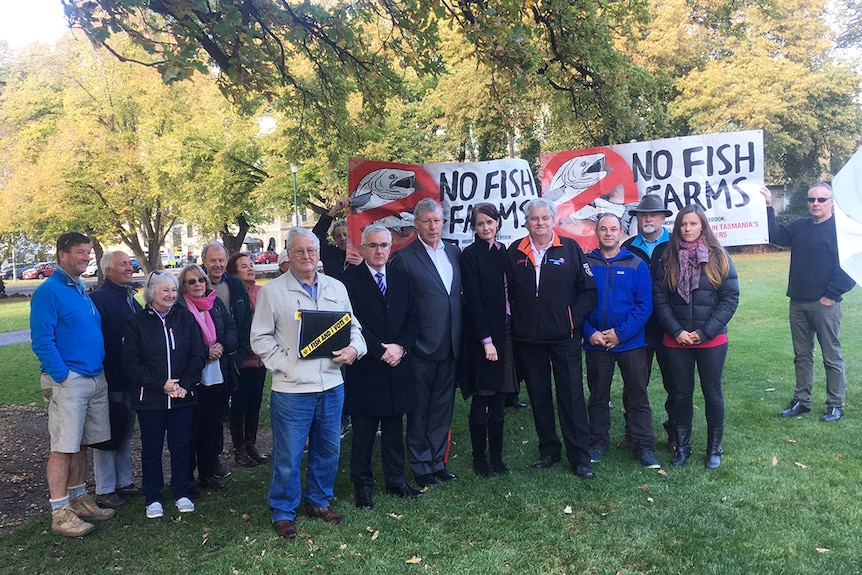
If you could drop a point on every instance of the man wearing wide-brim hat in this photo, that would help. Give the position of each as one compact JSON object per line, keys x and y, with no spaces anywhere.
{"x":649,"y":243}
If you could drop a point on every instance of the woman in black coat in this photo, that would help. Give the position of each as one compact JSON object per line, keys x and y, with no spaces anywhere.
{"x":219,"y":335}
{"x":163,"y":356}
{"x":695,"y":293}
{"x":487,"y":369}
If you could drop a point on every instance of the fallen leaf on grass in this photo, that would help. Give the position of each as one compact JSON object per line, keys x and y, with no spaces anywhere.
{"x":800,"y":465}
{"x":568,"y":510}
{"x":245,"y":516}
{"x":770,"y":389}
{"x":792,"y":441}
{"x":393,"y":516}
{"x":414,"y":560}
{"x":525,"y":442}
{"x":375,"y":536}
{"x":644,"y":487}
{"x":370,"y":529}
{"x":650,"y":499}
{"x":662,"y":472}
{"x":821,"y":549}
{"x":839,"y":457}
{"x":343,"y":546}
{"x":774,"y":461}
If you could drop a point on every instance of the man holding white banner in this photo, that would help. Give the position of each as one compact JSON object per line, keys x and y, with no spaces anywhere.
{"x":815,"y":286}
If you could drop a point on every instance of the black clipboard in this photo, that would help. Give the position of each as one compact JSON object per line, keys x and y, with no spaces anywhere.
{"x":322,"y":332}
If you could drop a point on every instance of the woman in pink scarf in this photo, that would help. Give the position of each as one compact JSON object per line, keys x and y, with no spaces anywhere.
{"x":247,"y":398}
{"x":695,"y":293}
{"x":218,"y":331}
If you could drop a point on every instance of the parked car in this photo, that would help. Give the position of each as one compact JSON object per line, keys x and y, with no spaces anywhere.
{"x":264,"y":257}
{"x":136,"y":265}
{"x":39,"y":271}
{"x":172,"y":261}
{"x":91,"y":270}
{"x":19,"y":269}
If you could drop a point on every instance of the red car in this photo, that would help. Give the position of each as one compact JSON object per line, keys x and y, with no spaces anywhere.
{"x":39,"y":271}
{"x":264,"y":257}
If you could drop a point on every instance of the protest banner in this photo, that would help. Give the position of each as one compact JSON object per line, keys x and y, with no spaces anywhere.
{"x":386,"y":193}
{"x":723,"y":173}
{"x":847,"y":196}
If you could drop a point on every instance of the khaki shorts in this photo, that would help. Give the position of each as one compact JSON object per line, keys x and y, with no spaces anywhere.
{"x":77,"y":411}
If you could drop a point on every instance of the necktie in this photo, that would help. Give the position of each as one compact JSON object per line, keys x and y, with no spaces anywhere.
{"x":380,"y":283}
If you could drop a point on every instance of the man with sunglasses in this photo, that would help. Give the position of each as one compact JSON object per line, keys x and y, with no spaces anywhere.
{"x":66,"y":331}
{"x":815,"y":286}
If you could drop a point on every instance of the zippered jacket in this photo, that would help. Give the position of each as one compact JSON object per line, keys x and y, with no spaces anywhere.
{"x":624,"y":299}
{"x":155,"y":351}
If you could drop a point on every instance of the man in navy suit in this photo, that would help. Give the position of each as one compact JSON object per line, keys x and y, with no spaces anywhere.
{"x":380,"y":388}
{"x":434,"y":270}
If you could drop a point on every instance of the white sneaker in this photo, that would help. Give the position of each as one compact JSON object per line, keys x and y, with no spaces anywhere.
{"x":185,"y":505}
{"x":155,"y":510}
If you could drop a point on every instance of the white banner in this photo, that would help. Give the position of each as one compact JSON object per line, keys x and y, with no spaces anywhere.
{"x":847,"y":193}
{"x":386,"y":193}
{"x":723,"y":173}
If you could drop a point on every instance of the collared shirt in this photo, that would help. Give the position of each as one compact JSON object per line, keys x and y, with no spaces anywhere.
{"x":441,"y":262}
{"x":310,"y":289}
{"x":374,"y":273}
{"x":647,"y":246}
{"x":539,"y":256}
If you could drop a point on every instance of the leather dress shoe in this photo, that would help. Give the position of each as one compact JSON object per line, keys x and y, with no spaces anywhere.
{"x":517,"y":404}
{"x":832,"y":414}
{"x":110,"y":501}
{"x":585,"y":472}
{"x":285,"y":529}
{"x":130,"y":490}
{"x":325,"y":513}
{"x":363,"y":497}
{"x":445,"y":475}
{"x":404,"y":490}
{"x":427,"y":480}
{"x":795,"y":408}
{"x":545,"y":461}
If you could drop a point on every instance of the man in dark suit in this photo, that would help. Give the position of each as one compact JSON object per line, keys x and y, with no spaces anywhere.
{"x":380,"y":387}
{"x":434,"y":270}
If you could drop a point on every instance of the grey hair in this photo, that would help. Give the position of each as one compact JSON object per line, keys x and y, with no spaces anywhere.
{"x":825,"y":185}
{"x":210,"y":245}
{"x":196,"y":269}
{"x":106,"y":262}
{"x":426,"y":206}
{"x":301,"y":233}
{"x":337,"y":224}
{"x":373,"y":228}
{"x":154,"y":281}
{"x":540,"y":203}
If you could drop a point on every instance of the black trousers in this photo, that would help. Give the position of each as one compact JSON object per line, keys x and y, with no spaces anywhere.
{"x":600,"y":373}
{"x":207,"y":429}
{"x":391,"y":449}
{"x":537,"y":362}
{"x":710,"y":367}
{"x":656,"y":348}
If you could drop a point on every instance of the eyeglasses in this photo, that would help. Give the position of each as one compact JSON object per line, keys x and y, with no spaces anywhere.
{"x":818,"y":200}
{"x":193,"y":281}
{"x":436,"y":222}
{"x":301,"y":252}
{"x":382,"y":246}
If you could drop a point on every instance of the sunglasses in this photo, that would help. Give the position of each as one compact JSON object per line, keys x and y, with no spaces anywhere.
{"x":151,"y":277}
{"x":818,"y":200}
{"x":193,"y":281}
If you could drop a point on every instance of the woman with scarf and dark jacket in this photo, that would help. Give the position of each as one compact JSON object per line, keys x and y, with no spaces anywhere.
{"x":163,"y":356}
{"x":695,"y":293}
{"x":219,"y":335}
{"x":487,"y":369}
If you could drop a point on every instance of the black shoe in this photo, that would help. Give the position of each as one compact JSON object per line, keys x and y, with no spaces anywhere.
{"x":545,"y":461}
{"x":363,"y":497}
{"x":404,"y":490}
{"x":795,"y":408}
{"x":428,"y":480}
{"x":210,"y":484}
{"x":517,"y":404}
{"x":626,"y":443}
{"x":445,"y":475}
{"x":585,"y":472}
{"x":222,"y":470}
{"x":481,"y":467}
{"x":832,"y":414}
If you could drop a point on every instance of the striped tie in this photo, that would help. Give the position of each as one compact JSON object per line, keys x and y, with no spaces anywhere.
{"x":380,"y":283}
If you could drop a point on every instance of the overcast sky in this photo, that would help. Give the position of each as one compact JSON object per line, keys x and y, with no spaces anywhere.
{"x":25,"y":21}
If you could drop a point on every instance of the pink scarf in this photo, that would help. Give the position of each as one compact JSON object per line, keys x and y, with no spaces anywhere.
{"x":200,"y":307}
{"x":692,"y":256}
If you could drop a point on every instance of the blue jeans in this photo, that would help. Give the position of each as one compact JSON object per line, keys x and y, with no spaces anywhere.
{"x":296,"y":417}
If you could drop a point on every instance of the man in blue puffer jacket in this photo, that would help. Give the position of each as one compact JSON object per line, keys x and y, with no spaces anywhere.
{"x":614,"y":335}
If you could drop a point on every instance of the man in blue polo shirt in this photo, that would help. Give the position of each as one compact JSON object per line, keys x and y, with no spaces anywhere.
{"x":66,"y":332}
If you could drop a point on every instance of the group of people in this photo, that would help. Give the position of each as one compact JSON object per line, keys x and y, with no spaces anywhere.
{"x":424,"y":320}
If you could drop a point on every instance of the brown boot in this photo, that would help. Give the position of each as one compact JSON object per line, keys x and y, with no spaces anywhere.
{"x":86,"y":508}
{"x":65,"y":522}
{"x":256,"y":455}
{"x":240,"y":455}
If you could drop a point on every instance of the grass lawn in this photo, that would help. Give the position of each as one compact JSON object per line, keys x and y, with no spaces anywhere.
{"x":785,"y":500}
{"x":14,"y":314}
